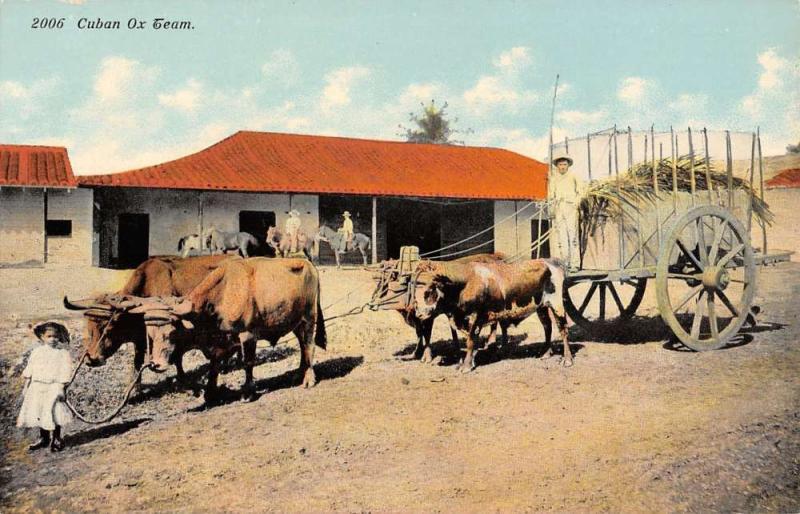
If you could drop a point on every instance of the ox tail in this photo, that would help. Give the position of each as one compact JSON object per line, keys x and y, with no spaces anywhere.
{"x":320,"y":336}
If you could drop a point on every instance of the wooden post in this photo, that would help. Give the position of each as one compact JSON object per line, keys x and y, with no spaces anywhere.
{"x":44,"y":228}
{"x":752,"y":193}
{"x":201,"y":221}
{"x":374,"y":230}
{"x":761,"y":178}
{"x":638,"y":214}
{"x":692,"y":184}
{"x":729,"y":168}
{"x":709,"y":184}
{"x":622,"y":213}
{"x":655,"y":182}
{"x":589,"y":154}
{"x":673,"y":141}
{"x":539,"y":233}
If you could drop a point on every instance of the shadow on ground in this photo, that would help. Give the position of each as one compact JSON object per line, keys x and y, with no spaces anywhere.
{"x":101,"y":432}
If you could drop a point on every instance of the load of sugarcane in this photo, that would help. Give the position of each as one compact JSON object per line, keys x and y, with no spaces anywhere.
{"x":633,"y":190}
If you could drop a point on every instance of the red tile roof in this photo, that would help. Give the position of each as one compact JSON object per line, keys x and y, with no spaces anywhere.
{"x":786,"y":178}
{"x":35,"y":166}
{"x":271,"y":162}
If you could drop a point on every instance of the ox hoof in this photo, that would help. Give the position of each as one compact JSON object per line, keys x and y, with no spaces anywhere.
{"x":310,"y":379}
{"x":427,"y":355}
{"x":436,"y":360}
{"x":567,"y":362}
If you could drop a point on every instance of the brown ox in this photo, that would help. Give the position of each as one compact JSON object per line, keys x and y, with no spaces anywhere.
{"x":240,"y":302}
{"x":392,"y":293}
{"x":110,"y":325}
{"x":475,"y":294}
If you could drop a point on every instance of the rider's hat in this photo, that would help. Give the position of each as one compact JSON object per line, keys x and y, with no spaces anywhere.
{"x":346,"y":214}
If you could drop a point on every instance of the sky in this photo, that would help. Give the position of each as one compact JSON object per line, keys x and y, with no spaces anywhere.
{"x":119,"y":99}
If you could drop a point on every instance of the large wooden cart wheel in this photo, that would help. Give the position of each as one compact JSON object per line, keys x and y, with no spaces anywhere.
{"x":590,"y":304}
{"x":705,"y":277}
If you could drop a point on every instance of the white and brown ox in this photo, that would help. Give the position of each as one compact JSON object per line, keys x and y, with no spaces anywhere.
{"x":240,"y":302}
{"x":110,"y":322}
{"x":392,"y":292}
{"x":475,"y":294}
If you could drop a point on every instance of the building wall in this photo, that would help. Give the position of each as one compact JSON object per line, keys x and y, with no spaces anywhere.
{"x":21,"y":226}
{"x":74,"y":205}
{"x":512,"y":236}
{"x":174,"y":214}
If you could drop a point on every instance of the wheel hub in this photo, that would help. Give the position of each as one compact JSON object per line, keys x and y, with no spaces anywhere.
{"x":716,"y":277}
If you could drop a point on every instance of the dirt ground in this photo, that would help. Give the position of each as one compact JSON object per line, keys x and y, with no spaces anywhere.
{"x":639,"y":424}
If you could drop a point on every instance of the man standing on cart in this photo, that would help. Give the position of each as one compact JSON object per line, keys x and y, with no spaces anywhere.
{"x":564,"y":194}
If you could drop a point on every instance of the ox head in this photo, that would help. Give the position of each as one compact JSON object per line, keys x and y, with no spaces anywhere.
{"x":429,"y":289}
{"x":108,"y":326}
{"x":165,"y":325}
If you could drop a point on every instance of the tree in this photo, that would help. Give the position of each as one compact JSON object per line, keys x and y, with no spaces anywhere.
{"x":432,"y":126}
{"x":793,"y":149}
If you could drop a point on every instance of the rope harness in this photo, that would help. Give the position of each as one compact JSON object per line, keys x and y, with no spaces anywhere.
{"x":128,"y":391}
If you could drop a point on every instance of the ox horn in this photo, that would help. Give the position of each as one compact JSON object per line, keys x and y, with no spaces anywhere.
{"x":82,"y":305}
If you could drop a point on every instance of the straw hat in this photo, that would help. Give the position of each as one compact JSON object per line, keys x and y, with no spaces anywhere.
{"x":561,"y":156}
{"x":61,"y":331}
{"x":294,"y":212}
{"x":346,"y":214}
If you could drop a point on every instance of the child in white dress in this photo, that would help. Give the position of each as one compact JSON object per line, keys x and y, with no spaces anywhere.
{"x":49,"y":369}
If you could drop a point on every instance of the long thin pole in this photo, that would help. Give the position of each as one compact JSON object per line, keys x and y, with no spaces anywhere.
{"x":44,"y":231}
{"x":692,"y":183}
{"x":638,"y":214}
{"x":752,"y":193}
{"x":374,"y":230}
{"x":622,"y":207}
{"x":709,"y":184}
{"x":674,"y":148}
{"x":589,"y":154}
{"x":761,"y":178}
{"x":729,"y":168}
{"x":552,"y":120}
{"x":655,"y":182}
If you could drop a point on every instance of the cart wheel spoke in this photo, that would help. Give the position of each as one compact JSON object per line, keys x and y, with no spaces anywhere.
{"x":712,"y":316}
{"x":615,"y":296}
{"x":698,"y":316}
{"x":719,"y":232}
{"x":692,"y":292}
{"x":586,"y":300}
{"x":724,"y":298}
{"x":690,"y":255}
{"x":730,"y":255}
{"x":701,"y":241}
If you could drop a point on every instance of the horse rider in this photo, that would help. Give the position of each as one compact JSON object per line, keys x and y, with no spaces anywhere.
{"x":292,"y":229}
{"x":346,"y":230}
{"x":564,"y":193}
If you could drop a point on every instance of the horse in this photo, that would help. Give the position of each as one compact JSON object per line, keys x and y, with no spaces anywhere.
{"x":336,"y":241}
{"x":282,"y":245}
{"x":219,"y":241}
{"x":189,"y":243}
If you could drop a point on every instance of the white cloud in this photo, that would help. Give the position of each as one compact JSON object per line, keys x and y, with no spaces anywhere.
{"x":634,"y":90}
{"x":338,"y":84}
{"x":19,"y":100}
{"x":582,"y":118}
{"x":513,"y":60}
{"x":773,"y":65}
{"x":504,"y":88}
{"x":281,"y":68}
{"x":186,"y":99}
{"x":120,"y":77}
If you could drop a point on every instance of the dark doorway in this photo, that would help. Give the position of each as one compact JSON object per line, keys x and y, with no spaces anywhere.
{"x":256,"y":224}
{"x":417,"y":223}
{"x":544,"y":250}
{"x":133,"y":239}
